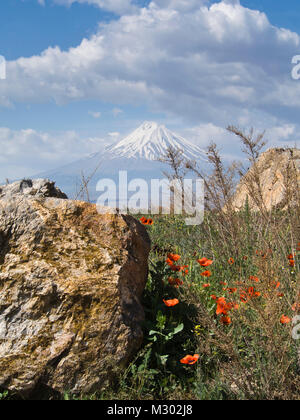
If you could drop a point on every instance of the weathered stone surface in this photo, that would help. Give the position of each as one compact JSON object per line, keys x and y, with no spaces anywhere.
{"x":276,"y":168}
{"x":70,"y":287}
{"x":29,"y":188}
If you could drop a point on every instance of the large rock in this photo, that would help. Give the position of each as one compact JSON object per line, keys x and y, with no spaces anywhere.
{"x":70,"y":287}
{"x":279,"y":173}
{"x":30,"y":188}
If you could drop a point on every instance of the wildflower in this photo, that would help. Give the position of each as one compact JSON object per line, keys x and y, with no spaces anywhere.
{"x":204,"y":262}
{"x":226,"y":320}
{"x":179,"y":268}
{"x":206,"y":285}
{"x":285,"y":319}
{"x":231,"y":261}
{"x":298,"y":246}
{"x":222,"y":307}
{"x":197,"y":329}
{"x":169,"y":262}
{"x":214,"y":297}
{"x":292,"y":263}
{"x":243,"y":296}
{"x":296,"y":307}
{"x":174,"y":257}
{"x":254,"y":278}
{"x":171,"y":302}
{"x":231,"y":289}
{"x":206,"y":273}
{"x":175,"y":282}
{"x":145,"y":221}
{"x":189,"y":360}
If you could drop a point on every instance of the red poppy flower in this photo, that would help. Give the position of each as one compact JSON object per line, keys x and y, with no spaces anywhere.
{"x":206,"y":273}
{"x":204,"y":262}
{"x":292,"y":263}
{"x":177,"y":268}
{"x":226,"y":320}
{"x":214,"y":297}
{"x":254,"y":278}
{"x":285,"y":319}
{"x":171,"y":302}
{"x":175,"y":282}
{"x":189,"y":360}
{"x":232,"y":289}
{"x":169,"y":262}
{"x":222,"y":307}
{"x":296,"y":307}
{"x":231,"y":261}
{"x":243,"y":297}
{"x":145,"y":221}
{"x":206,"y":285}
{"x":174,"y":257}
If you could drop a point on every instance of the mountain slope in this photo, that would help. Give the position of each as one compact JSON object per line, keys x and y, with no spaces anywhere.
{"x":150,"y":141}
{"x":138,"y":154}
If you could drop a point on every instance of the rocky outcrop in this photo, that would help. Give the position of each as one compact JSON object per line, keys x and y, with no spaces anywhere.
{"x":71,"y":280}
{"x":30,"y":188}
{"x":278,"y":171}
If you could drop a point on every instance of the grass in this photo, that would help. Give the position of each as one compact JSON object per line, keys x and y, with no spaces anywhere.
{"x":254,"y":356}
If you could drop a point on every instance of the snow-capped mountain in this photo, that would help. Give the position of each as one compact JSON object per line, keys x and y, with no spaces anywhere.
{"x":150,"y":141}
{"x":138,"y":154}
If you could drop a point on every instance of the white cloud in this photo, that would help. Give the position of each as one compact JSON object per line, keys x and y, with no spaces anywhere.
{"x":192,"y":60}
{"x":116,"y":112}
{"x":27,"y":152}
{"x":95,"y":114}
{"x":229,"y":144}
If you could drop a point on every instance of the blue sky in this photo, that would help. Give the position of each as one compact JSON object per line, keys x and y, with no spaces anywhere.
{"x":83,"y":73}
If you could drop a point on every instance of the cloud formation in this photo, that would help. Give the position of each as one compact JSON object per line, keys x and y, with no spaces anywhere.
{"x":182,"y":57}
{"x":205,"y":64}
{"x":27,"y":152}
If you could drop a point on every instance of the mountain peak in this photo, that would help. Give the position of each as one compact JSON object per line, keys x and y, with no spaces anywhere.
{"x":149,"y":125}
{"x":150,"y":141}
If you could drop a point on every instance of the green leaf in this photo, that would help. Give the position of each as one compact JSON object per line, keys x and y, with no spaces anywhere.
{"x":178,"y":329}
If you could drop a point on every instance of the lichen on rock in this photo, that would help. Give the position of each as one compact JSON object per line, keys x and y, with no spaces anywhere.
{"x":71,"y":280}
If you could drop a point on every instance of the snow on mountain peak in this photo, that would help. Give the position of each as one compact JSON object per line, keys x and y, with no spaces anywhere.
{"x":151,"y":140}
